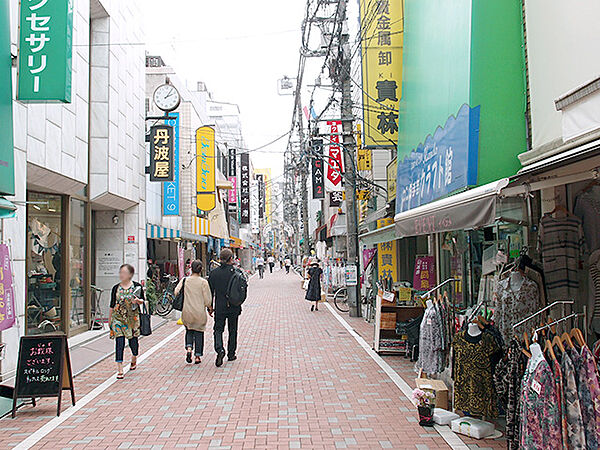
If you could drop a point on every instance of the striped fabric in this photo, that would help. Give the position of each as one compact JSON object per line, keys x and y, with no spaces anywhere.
{"x":158,"y":232}
{"x":562,"y":246}
{"x":200,"y":226}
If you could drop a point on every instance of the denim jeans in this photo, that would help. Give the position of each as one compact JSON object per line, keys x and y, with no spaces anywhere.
{"x":195,"y":340}
{"x":120,"y":343}
{"x":232,"y":326}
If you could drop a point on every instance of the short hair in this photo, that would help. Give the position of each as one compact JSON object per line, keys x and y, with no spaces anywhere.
{"x":226,"y":255}
{"x":129,"y":268}
{"x":196,"y":266}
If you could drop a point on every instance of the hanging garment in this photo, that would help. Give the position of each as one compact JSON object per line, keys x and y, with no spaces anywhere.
{"x":595,"y":282}
{"x":562,"y":246}
{"x":507,"y":380}
{"x":472,"y":369}
{"x":591,"y":375}
{"x":516,"y":297}
{"x":540,"y":417}
{"x":585,"y":400}
{"x":571,"y":406}
{"x":587,"y":208}
{"x":430,"y":343}
{"x":556,"y":372}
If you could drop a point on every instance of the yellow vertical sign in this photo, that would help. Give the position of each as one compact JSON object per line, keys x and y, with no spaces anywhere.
{"x":206,"y":195}
{"x":382,"y":37}
{"x":364,"y":156}
{"x":387,"y":260}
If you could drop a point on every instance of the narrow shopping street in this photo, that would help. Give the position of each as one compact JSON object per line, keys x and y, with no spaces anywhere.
{"x":301,"y":381}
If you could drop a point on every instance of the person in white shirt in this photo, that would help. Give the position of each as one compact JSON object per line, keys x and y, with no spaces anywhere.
{"x":288,"y":264}
{"x":271,"y":261}
{"x":260,"y":264}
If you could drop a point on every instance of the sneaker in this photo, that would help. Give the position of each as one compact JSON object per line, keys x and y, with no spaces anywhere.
{"x":219,"y":361}
{"x":232,"y":358}
{"x":188,"y":358}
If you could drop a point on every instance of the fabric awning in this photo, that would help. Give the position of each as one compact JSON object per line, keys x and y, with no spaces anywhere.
{"x":379,"y":236}
{"x":474,"y":208}
{"x":218,"y":221}
{"x":158,"y":232}
{"x":193,"y":237}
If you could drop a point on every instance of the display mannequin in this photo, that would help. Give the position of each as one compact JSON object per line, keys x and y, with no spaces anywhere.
{"x":474,"y":330}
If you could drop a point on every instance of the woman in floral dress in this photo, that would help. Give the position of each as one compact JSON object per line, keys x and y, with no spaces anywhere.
{"x":124,"y":316}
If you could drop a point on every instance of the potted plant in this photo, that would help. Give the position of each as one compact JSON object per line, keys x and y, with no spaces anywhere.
{"x":425,"y":402}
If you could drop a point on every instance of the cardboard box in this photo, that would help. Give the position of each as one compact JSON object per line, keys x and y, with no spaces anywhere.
{"x":438,"y":387}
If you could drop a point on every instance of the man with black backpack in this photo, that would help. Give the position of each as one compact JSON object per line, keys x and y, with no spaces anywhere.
{"x":229,"y":289}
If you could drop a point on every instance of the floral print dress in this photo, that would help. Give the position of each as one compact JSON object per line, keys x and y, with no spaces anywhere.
{"x":585,"y":400}
{"x":126,"y":315}
{"x":591,"y":375}
{"x":571,"y":406}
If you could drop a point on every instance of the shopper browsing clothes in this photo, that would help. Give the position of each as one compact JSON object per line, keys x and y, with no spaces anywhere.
{"x":219,"y":283}
{"x":124,"y":316}
{"x":197,"y":300}
{"x":271,"y":261}
{"x":313,"y":293}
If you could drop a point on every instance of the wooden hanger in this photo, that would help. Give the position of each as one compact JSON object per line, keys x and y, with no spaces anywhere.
{"x":548,"y":348}
{"x":556,"y":341}
{"x":566,"y":339}
{"x":578,"y":335}
{"x":552,"y":327}
{"x":526,"y":340}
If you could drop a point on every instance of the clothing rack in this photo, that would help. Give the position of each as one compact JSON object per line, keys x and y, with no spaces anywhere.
{"x":547,"y":308}
{"x":570,"y":316}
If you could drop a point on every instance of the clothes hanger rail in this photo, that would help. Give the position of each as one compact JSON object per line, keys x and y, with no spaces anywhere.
{"x":541,"y":311}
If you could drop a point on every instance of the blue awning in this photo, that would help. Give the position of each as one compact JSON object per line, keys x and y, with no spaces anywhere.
{"x":158,"y":232}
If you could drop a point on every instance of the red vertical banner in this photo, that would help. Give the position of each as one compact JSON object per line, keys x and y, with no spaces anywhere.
{"x":335,"y":164}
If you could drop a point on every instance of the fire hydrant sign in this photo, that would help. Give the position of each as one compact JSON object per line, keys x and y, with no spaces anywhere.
{"x":424,"y":276}
{"x":45,"y":51}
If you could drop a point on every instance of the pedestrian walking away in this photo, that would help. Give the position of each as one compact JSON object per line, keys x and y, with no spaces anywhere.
{"x":124,"y":316}
{"x":288,"y":264}
{"x":219,"y":280}
{"x":271,"y":261}
{"x":260,"y":264}
{"x":197,"y":300}
{"x":313,"y":293}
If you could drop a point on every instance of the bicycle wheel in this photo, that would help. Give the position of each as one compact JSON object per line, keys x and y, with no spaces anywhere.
{"x":340,"y":300}
{"x":164,"y":305}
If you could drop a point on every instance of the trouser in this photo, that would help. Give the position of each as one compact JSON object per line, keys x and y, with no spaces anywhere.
{"x":232,"y":327}
{"x":261,"y":271}
{"x":271,"y":265}
{"x":120,"y":344}
{"x":287,"y":269}
{"x":194,"y":340}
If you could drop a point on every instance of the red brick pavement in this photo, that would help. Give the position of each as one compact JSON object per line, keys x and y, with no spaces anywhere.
{"x":301,"y":381}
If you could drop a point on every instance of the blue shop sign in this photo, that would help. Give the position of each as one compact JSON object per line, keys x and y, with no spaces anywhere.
{"x":443,"y":164}
{"x":171,"y":188}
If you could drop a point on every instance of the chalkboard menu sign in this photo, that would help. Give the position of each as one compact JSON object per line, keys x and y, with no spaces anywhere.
{"x":41,"y":368}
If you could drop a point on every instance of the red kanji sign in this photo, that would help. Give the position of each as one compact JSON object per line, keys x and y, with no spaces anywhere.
{"x":334,"y":162}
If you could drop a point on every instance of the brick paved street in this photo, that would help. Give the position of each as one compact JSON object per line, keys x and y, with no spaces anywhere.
{"x":301,"y":381}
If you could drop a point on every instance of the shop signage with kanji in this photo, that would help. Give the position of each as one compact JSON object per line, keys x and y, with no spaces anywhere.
{"x":171,"y":188}
{"x":232,"y":163}
{"x":386,"y":255}
{"x":392,"y":173}
{"x":161,"y":153}
{"x":245,"y":188}
{"x":364,"y":156}
{"x":254,"y":201}
{"x":382,"y":46}
{"x":206,"y":180}
{"x":318,"y":175}
{"x":7,"y":294}
{"x":260,"y":179}
{"x":335,"y":164}
{"x":336,"y":198}
{"x":424,"y":275}
{"x":45,"y":51}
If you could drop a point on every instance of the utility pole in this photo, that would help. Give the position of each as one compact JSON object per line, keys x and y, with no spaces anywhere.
{"x":345,"y":62}
{"x":304,"y":162}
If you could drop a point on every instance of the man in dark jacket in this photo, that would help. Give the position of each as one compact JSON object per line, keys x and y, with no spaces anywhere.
{"x":219,"y":281}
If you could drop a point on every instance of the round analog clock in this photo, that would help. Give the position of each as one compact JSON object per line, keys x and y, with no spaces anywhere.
{"x":166,"y":97}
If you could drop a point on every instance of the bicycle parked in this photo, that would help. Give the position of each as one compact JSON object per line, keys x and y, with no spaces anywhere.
{"x":164,"y":306}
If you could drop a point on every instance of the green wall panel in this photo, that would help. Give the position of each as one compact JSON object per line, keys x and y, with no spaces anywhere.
{"x":7,"y":171}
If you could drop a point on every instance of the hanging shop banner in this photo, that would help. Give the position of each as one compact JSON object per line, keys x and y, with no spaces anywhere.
{"x":318,"y":176}
{"x":424,"y":275}
{"x":386,"y":255}
{"x":254,"y":209}
{"x":232,"y":194}
{"x":260,"y":179}
{"x":364,"y":156}
{"x":171,"y":188}
{"x":336,"y":198}
{"x":206,"y":186}
{"x":45,"y":51}
{"x":7,"y":149}
{"x":382,"y":43}
{"x":7,"y":294}
{"x":368,"y":254}
{"x":392,"y":171}
{"x":161,"y":153}
{"x":232,"y":163}
{"x":245,"y":188}
{"x":335,"y":165}
{"x":445,"y":163}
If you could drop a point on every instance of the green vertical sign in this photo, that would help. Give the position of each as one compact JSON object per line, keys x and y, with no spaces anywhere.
{"x":7,"y":158}
{"x":45,"y":51}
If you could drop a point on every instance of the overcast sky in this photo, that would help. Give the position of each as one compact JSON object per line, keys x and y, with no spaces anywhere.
{"x":239,"y":48}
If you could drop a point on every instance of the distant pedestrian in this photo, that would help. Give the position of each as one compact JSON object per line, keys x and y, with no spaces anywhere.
{"x":260,"y":265}
{"x":288,"y":264}
{"x":271,"y":261}
{"x":313,"y":293}
{"x":219,"y":283}
{"x":124,"y":316}
{"x":197,"y":300}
